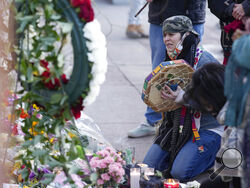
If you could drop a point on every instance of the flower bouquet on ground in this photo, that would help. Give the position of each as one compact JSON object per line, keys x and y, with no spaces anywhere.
{"x":108,"y":166}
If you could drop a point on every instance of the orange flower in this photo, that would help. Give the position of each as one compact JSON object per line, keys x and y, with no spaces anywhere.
{"x":24,"y":114}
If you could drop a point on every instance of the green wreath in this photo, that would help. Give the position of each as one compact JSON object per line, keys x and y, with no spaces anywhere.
{"x":42,"y":24}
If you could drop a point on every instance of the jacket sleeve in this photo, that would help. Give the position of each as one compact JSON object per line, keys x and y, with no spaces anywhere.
{"x":246,"y":7}
{"x":222,"y":9}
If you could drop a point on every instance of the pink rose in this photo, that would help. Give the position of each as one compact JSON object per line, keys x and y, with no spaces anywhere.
{"x":94,"y":163}
{"x":102,"y":164}
{"x":100,"y":182}
{"x":105,"y":177}
{"x":109,"y":160}
{"x":113,"y":168}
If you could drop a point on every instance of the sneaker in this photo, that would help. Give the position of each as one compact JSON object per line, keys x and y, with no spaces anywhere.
{"x":140,"y":30}
{"x":131,"y":32}
{"x":143,"y":130}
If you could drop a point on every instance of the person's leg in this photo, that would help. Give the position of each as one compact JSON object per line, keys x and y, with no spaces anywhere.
{"x":199,"y":28}
{"x":157,"y":46}
{"x":156,"y":158}
{"x":139,"y":28}
{"x":158,"y":54}
{"x":192,"y":159}
{"x":131,"y":31}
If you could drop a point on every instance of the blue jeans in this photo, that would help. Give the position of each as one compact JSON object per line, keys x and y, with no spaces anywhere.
{"x":134,"y":7}
{"x":199,"y":28}
{"x":158,"y":54}
{"x":189,"y":162}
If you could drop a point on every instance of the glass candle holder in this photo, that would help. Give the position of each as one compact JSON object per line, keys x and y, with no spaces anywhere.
{"x":143,"y":167}
{"x":171,"y":183}
{"x":135,"y":175}
{"x":149,"y":171}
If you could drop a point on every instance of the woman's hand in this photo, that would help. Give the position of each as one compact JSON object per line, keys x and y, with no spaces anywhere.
{"x":238,"y":11}
{"x":168,"y":93}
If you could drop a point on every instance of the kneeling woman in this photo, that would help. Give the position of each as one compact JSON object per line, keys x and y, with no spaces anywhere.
{"x":189,"y":137}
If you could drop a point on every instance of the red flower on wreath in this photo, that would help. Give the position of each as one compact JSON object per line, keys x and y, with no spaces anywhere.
{"x":76,"y":3}
{"x":77,"y":108}
{"x":46,"y":74}
{"x":86,"y":10}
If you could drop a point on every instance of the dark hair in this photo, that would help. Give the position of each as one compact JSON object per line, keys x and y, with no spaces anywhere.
{"x":206,"y":88}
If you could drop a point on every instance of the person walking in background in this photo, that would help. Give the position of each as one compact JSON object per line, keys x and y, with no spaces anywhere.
{"x":159,"y":10}
{"x":134,"y":28}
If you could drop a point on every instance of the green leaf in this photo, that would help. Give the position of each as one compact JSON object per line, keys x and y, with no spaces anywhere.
{"x":48,"y":178}
{"x":74,"y":169}
{"x":40,"y":152}
{"x":56,"y":98}
{"x":52,"y":163}
{"x":65,"y":97}
{"x":72,"y":152}
{"x":24,"y":21}
{"x":24,"y":173}
{"x":80,"y":151}
{"x":30,"y":74}
{"x":67,"y":114}
{"x":158,"y":173}
{"x":37,"y":139}
{"x":27,"y":143}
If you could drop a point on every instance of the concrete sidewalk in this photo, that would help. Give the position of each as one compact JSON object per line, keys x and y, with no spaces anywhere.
{"x":119,"y":107}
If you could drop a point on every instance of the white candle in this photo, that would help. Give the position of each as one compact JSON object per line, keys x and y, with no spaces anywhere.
{"x":135,"y":177}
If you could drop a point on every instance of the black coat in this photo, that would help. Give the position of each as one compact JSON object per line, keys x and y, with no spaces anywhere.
{"x":222,"y":9}
{"x":159,"y":10}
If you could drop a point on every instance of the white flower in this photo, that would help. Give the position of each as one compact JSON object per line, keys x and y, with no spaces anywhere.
{"x":98,"y":55}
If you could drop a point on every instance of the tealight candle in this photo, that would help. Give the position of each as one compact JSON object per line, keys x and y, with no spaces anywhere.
{"x":135,"y":177}
{"x":149,"y":172}
{"x":143,"y":167}
{"x":171,"y":183}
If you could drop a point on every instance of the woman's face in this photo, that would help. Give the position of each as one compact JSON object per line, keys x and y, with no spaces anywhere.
{"x":171,"y":40}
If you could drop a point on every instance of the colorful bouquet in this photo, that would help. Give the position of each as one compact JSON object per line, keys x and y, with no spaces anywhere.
{"x":109,"y":168}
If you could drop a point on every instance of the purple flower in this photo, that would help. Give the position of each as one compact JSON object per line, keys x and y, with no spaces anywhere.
{"x":32,"y":175}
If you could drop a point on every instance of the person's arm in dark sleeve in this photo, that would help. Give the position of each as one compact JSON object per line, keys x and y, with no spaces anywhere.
{"x":246,"y":7}
{"x":222,"y":9}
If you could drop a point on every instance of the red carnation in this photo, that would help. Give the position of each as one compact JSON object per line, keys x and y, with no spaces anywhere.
{"x":86,"y":11}
{"x":46,"y":74}
{"x":51,"y":85}
{"x":44,"y":64}
{"x":64,"y":79}
{"x":76,"y":109}
{"x":76,"y":3}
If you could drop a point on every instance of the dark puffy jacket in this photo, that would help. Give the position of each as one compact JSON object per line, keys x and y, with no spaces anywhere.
{"x":159,"y":10}
{"x":197,"y":11}
{"x":223,"y":9}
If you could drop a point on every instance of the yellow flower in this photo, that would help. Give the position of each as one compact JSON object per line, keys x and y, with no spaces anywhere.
{"x":71,"y":135}
{"x":35,"y":73}
{"x":51,"y":140}
{"x":34,"y":123}
{"x":35,"y":107}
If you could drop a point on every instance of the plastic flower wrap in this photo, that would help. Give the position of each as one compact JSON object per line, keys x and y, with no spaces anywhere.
{"x":109,"y":167}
